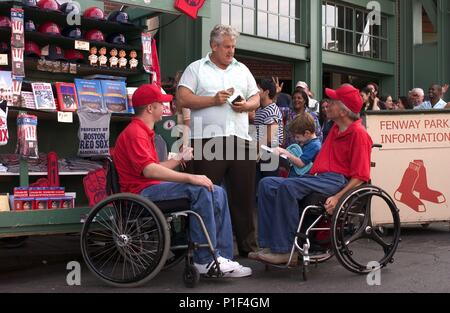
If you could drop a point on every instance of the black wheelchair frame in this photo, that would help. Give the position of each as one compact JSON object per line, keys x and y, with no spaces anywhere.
{"x":127,"y":239}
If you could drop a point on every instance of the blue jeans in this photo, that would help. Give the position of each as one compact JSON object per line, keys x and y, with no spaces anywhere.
{"x":278,"y":211}
{"x":211,"y":206}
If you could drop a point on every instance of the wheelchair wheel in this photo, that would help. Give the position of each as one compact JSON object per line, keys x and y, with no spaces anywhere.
{"x":125,"y":240}
{"x":191,"y":276}
{"x":360,"y":245}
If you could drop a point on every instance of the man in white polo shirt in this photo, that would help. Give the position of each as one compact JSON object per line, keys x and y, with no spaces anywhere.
{"x":220,"y":127}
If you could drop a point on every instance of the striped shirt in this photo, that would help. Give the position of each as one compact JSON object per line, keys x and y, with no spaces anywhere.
{"x":267,"y":116}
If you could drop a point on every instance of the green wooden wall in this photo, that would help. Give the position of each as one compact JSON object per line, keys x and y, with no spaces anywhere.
{"x":404,"y":69}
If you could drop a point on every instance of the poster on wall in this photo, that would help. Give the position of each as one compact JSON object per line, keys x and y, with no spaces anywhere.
{"x":147,"y":52}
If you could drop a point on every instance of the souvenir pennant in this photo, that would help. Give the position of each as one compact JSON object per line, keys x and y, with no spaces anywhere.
{"x":17,"y":33}
{"x":189,"y":7}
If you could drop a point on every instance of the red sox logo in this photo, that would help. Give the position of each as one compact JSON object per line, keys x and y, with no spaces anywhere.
{"x":189,"y":7}
{"x":192,"y":3}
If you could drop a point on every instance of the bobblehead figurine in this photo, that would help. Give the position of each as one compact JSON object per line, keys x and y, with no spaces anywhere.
{"x":122,"y":60}
{"x":102,"y":59}
{"x":113,"y":60}
{"x":133,"y":62}
{"x":93,"y":58}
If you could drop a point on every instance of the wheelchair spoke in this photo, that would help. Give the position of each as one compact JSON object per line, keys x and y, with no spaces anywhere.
{"x":132,"y":266}
{"x":356,"y":214}
{"x":143,"y":249}
{"x":356,"y":236}
{"x":105,"y":223}
{"x":115,"y":264}
{"x":107,"y":260}
{"x":114,"y":221}
{"x":377,"y":238}
{"x":139,"y":258}
{"x":103,"y":249}
{"x":102,"y":235}
{"x":136,"y":221}
{"x":118,"y":215}
{"x":129,"y":224}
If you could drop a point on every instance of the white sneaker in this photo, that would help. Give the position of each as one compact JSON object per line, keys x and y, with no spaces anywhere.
{"x":242,"y":271}
{"x":226,"y":266}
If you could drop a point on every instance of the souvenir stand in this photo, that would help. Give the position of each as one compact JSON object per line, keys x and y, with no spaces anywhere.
{"x":41,"y":55}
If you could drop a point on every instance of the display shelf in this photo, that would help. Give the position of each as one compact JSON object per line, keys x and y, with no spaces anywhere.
{"x":82,"y":70}
{"x":38,"y":14}
{"x":69,"y":43}
{"x":53,"y":115}
{"x":79,"y":173}
{"x":42,"y":222}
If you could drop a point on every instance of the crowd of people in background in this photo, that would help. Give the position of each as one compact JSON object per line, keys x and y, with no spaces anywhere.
{"x":302,"y":100}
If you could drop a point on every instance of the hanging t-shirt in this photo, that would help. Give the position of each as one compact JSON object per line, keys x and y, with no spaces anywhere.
{"x":3,"y":123}
{"x":93,"y":134}
{"x":27,"y":144}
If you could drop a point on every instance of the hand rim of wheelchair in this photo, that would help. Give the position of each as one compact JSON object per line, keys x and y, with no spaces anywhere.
{"x":163,"y":246}
{"x":338,"y":242}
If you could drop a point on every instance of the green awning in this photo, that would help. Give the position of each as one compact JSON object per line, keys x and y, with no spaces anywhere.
{"x":154,"y":6}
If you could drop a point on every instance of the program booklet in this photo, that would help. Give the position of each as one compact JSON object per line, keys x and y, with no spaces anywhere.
{"x":43,"y":96}
{"x":67,"y":97}
{"x":267,"y":156}
{"x":89,"y":94}
{"x":115,"y":96}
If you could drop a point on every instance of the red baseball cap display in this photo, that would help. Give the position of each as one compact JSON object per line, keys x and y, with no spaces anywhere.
{"x":95,"y":35}
{"x":32,"y":49}
{"x":94,"y":12}
{"x":5,"y":21}
{"x":148,"y":94}
{"x":48,"y":5}
{"x":50,"y":28}
{"x":348,"y":95}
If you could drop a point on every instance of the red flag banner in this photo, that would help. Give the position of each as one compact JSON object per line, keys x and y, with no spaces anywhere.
{"x":189,"y":7}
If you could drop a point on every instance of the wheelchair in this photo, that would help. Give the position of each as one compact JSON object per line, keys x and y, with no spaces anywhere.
{"x":126,"y":239}
{"x":360,"y":243}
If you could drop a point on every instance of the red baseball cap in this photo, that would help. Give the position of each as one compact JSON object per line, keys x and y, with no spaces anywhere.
{"x":148,"y":94}
{"x":348,"y":95}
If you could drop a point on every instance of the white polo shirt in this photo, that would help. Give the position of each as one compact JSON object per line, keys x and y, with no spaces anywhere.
{"x":428,"y":106}
{"x":204,"y":78}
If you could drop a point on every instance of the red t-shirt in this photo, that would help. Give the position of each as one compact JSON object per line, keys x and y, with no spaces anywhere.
{"x":347,"y":153}
{"x":134,"y":150}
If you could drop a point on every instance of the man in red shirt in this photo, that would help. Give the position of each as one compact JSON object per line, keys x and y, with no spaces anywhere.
{"x":342,"y":164}
{"x":140,"y":172}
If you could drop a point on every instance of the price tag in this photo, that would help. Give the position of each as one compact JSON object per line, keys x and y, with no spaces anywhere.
{"x":65,"y":117}
{"x":3,"y":59}
{"x":81,"y":45}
